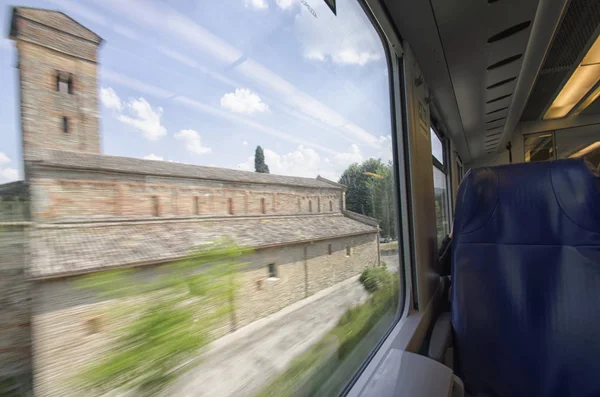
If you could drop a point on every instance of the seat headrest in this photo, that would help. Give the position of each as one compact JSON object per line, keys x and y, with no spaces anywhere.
{"x":528,"y":202}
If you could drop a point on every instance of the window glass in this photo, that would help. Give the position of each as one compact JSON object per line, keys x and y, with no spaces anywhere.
{"x":539,"y":147}
{"x":208,"y":140}
{"x":441,"y":196}
{"x":579,"y":142}
{"x":437,"y":148}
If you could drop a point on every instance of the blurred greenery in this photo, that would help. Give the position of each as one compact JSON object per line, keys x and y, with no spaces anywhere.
{"x":371,"y":192}
{"x":375,"y":278}
{"x":307,"y":373}
{"x":167,"y":320}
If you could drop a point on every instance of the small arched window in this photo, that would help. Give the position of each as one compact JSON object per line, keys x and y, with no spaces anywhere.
{"x":309,"y":205}
{"x":230,"y":206}
{"x":330,"y":206}
{"x":263,"y":206}
{"x":65,"y":124}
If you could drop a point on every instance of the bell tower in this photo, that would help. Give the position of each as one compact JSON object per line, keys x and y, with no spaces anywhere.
{"x":57,"y":62}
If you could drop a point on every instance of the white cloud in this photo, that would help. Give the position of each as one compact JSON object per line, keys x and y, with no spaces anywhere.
{"x":126,"y":32}
{"x":193,"y":142}
{"x":134,"y":84}
{"x":110,"y":99}
{"x":162,"y":18}
{"x":352,"y":156}
{"x":260,"y":4}
{"x":306,"y":162}
{"x":248,"y":123}
{"x":386,"y":146}
{"x":8,"y":175}
{"x":5,"y":159}
{"x":243,"y":101}
{"x":347,"y":40}
{"x":144,"y":118}
{"x":153,"y":157}
{"x":284,"y":3}
{"x":153,"y":16}
{"x":301,"y":162}
{"x":187,"y":61}
{"x":179,"y":57}
{"x":245,"y":143}
{"x":352,"y":56}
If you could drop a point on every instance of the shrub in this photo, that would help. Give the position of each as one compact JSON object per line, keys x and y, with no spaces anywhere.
{"x":375,"y":278}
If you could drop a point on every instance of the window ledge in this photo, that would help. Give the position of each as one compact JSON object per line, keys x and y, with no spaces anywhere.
{"x":408,"y":334}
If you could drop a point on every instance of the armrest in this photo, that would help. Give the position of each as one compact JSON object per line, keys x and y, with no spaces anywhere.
{"x":440,"y":337}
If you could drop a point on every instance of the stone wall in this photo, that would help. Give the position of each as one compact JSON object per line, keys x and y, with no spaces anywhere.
{"x":71,"y":326}
{"x":62,"y":196}
{"x":43,"y":107}
{"x":302,"y":270}
{"x":15,"y":332}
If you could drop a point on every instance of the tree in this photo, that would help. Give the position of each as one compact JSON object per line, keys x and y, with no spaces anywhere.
{"x":370,"y":192}
{"x":259,"y":161}
{"x":164,"y":321}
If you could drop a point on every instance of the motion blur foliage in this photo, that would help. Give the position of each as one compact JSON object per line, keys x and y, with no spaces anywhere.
{"x":371,"y":192}
{"x":322,"y":370}
{"x":375,"y":278}
{"x":167,"y":321}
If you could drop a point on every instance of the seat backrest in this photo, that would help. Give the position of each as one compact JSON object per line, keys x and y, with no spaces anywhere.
{"x":526,"y":280}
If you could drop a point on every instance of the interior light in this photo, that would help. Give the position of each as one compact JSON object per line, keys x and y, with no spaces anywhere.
{"x":587,"y":101}
{"x":593,"y":54}
{"x":586,"y":150}
{"x":583,"y":79}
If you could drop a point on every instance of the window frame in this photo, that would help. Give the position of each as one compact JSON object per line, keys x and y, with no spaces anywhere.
{"x":444,"y":168}
{"x":534,"y":134}
{"x":408,"y":301}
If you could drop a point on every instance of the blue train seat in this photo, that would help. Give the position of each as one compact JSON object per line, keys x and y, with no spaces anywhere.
{"x":526,"y":280}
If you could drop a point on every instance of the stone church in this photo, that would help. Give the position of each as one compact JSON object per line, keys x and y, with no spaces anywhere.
{"x":79,"y":211}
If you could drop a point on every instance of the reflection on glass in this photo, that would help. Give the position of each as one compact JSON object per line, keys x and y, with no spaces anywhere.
{"x":579,"y":142}
{"x":437,"y":149}
{"x":539,"y":147}
{"x":245,"y":167}
{"x":441,"y":213}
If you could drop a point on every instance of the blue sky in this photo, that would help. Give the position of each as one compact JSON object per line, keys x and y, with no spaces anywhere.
{"x":205,"y":82}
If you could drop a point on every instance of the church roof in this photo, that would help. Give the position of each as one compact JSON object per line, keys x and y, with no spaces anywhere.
{"x":86,"y":161}
{"x":61,"y":250}
{"x":55,"y":20}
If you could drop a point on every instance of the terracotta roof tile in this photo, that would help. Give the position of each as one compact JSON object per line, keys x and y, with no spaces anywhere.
{"x":76,"y":160}
{"x":78,"y":248}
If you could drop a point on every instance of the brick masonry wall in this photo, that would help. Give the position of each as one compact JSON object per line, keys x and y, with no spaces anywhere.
{"x":43,"y":107}
{"x":15,"y":332}
{"x":64,"y":340}
{"x":63,"y":196}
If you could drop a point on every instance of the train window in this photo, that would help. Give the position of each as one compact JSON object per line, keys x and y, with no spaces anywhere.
{"x":539,"y":147}
{"x":437,"y":148}
{"x":459,"y":171}
{"x":579,"y":142}
{"x":441,"y":204}
{"x":440,"y":186}
{"x":271,"y":120}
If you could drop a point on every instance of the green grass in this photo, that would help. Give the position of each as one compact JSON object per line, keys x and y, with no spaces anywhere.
{"x":309,"y":371}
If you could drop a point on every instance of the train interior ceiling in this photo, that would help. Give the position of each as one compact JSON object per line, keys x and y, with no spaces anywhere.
{"x":506,"y":81}
{"x":500,"y":70}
